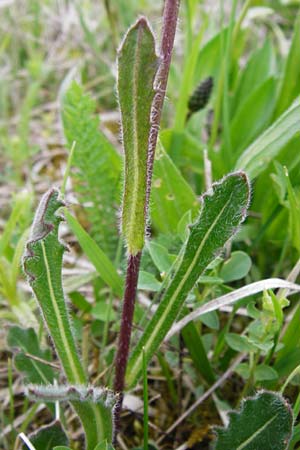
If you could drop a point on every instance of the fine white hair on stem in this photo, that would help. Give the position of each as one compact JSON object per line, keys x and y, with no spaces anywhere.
{"x":232,"y":297}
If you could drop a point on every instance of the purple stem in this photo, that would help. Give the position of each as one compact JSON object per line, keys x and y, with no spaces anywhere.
{"x":133,"y":265}
{"x":170,"y":17}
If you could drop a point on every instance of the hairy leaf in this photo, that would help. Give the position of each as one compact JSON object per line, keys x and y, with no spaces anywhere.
{"x":223,"y":209}
{"x":43,"y":266}
{"x":97,"y":167}
{"x":264,"y":422}
{"x":83,"y":393}
{"x":137,"y":66}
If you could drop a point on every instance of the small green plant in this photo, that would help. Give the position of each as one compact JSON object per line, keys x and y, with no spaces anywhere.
{"x":187,"y":265}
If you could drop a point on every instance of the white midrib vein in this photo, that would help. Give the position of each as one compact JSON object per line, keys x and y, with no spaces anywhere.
{"x":61,"y":330}
{"x":243,"y":445}
{"x":134,"y":370}
{"x":78,"y":379}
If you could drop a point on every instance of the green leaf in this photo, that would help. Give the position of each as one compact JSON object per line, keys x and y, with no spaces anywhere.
{"x":194,"y":344}
{"x":224,"y":207}
{"x":104,"y":446}
{"x":100,"y":312}
{"x":211,"y":320}
{"x":264,"y":422}
{"x":137,"y":67}
{"x":102,"y":264}
{"x":289,"y":88}
{"x":96,"y":179}
{"x":265,"y":373}
{"x":243,"y":370}
{"x":171,"y":195}
{"x":259,"y":67}
{"x":294,"y":213}
{"x":62,"y":447}
{"x":48,"y":436}
{"x":236,"y":267}
{"x":256,"y":158}
{"x":22,"y":204}
{"x":27,"y":342}
{"x":160,"y":256}
{"x":182,"y":227}
{"x":239,"y":343}
{"x":43,"y":266}
{"x":148,"y":282}
{"x":253,"y":116}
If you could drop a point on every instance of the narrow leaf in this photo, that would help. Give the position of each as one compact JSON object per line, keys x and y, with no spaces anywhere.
{"x":264,"y":422}
{"x":137,"y":66}
{"x":253,"y":116}
{"x":101,"y":262}
{"x":43,"y":266}
{"x":289,"y":88}
{"x":256,"y":158}
{"x":223,"y":209}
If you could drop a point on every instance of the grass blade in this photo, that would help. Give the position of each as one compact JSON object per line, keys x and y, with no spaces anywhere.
{"x":102,"y":263}
{"x":256,"y":158}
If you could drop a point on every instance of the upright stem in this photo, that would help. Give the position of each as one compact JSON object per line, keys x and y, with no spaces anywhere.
{"x":133,"y":265}
{"x":170,"y":16}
